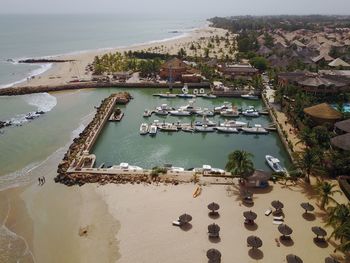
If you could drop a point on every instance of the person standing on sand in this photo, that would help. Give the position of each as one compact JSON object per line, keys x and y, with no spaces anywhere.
{"x":43,"y":179}
{"x":39,"y":180}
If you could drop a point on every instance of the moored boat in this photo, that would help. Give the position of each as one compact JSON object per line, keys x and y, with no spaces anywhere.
{"x":168,"y":127}
{"x":204,"y":128}
{"x":275,"y":164}
{"x":250,"y":96}
{"x":147,"y":113}
{"x":152,"y":130}
{"x":233,"y":124}
{"x":144,"y":129}
{"x":257,"y":129}
{"x":179,"y":112}
{"x":230,"y":113}
{"x":167,"y":95}
{"x":126,"y":166}
{"x":250,"y":112}
{"x":226,"y":129}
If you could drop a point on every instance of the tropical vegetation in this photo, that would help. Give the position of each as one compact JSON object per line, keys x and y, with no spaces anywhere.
{"x":240,"y":164}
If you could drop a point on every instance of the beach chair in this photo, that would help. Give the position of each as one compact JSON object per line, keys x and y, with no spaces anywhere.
{"x":278,"y":218}
{"x":277,"y":222}
{"x":177,"y":223}
{"x":268,"y":212}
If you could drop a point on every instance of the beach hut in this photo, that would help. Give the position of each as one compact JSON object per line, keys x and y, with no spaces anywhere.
{"x":342,"y":142}
{"x":254,"y":242}
{"x":323,"y":113}
{"x":259,"y":178}
{"x":343,"y":126}
{"x":291,"y":258}
{"x":307,"y":207}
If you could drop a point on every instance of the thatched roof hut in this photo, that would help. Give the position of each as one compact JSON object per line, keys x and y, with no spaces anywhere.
{"x":338,"y":62}
{"x":342,"y":142}
{"x":317,"y":81}
{"x":259,"y":178}
{"x":343,"y":125}
{"x":323,"y":113}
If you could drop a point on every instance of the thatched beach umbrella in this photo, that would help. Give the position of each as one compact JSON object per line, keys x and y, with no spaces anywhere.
{"x":293,"y":259}
{"x":330,"y":260}
{"x":213,"y":228}
{"x":250,"y":215}
{"x":214,"y":254}
{"x":185,"y":218}
{"x":319,"y":231}
{"x":307,"y":207}
{"x":213,"y":206}
{"x":277,"y":204}
{"x":285,"y":230}
{"x":254,"y":241}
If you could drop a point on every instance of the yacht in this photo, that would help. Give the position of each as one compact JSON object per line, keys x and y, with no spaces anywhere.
{"x":209,"y":169}
{"x":206,"y":122}
{"x":257,"y":129}
{"x":225,"y":106}
{"x":147,"y":113}
{"x":144,"y":129}
{"x":205,"y":112}
{"x":187,"y":129}
{"x":230,"y":113}
{"x":233,"y":124}
{"x":275,"y":164}
{"x":204,"y":128}
{"x":251,"y":112}
{"x":250,"y":96}
{"x":168,"y":127}
{"x":126,"y":166}
{"x":162,"y":110}
{"x":152,"y":130}
{"x":180,"y":112}
{"x":226,"y":129}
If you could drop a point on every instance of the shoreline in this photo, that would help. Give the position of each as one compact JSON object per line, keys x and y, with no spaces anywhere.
{"x":44,"y":68}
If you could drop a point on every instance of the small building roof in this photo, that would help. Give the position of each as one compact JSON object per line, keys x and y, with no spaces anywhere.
{"x":343,"y":125}
{"x":342,"y":141}
{"x":324,"y":56}
{"x":317,"y":81}
{"x":323,"y":111}
{"x":260,"y":175}
{"x":174,"y":63}
{"x":338,"y":62}
{"x":298,"y":43}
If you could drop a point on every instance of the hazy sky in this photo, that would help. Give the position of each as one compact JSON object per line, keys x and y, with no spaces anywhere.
{"x":198,"y":7}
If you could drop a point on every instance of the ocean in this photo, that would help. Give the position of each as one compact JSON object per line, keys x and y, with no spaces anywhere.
{"x":28,"y":36}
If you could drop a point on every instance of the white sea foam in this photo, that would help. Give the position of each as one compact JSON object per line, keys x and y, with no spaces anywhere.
{"x":42,"y":101}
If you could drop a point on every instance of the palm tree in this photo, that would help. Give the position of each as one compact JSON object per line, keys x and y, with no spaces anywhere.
{"x":240,"y":164}
{"x":326,"y":191}
{"x":308,"y":161}
{"x":343,"y":233}
{"x":338,"y":215}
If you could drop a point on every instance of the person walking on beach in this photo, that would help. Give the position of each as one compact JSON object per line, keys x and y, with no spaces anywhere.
{"x":39,"y":180}
{"x":43,"y":180}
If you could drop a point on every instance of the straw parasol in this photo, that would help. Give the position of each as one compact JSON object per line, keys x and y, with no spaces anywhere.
{"x":213,"y":206}
{"x":213,"y":254}
{"x":213,"y":228}
{"x":293,"y":259}
{"x":277,"y":204}
{"x":185,"y":218}
{"x":254,"y":241}
{"x":330,"y":260}
{"x":307,"y":207}
{"x":250,"y":215}
{"x":285,"y":230}
{"x":319,"y":231}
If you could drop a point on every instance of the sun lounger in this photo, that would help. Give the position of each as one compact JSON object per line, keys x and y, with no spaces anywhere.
{"x":213,"y":235}
{"x":268,"y":212}
{"x":277,"y":222}
{"x":278,"y":218}
{"x":176,"y":223}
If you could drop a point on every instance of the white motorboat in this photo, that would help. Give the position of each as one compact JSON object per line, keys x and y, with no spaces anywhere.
{"x":186,"y":96}
{"x":233,"y":124}
{"x":144,"y":129}
{"x":190,"y":107}
{"x":209,"y":169}
{"x":161,"y":112}
{"x":167,"y":95}
{"x":147,"y":113}
{"x":205,"y":112}
{"x":205,"y":122}
{"x":231,"y":113}
{"x":225,"y":106}
{"x":250,"y":112}
{"x":204,"y":128}
{"x":226,"y":129}
{"x":187,"y":129}
{"x":275,"y":164}
{"x":208,"y":96}
{"x":152,"y":130}
{"x":168,"y":127}
{"x":127,"y":167}
{"x":180,"y":112}
{"x":250,"y":96}
{"x":257,"y":129}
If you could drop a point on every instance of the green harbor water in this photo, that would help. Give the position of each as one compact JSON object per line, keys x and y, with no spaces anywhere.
{"x":121,"y":141}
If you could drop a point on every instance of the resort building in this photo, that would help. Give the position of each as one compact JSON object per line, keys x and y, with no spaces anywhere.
{"x":322,"y":114}
{"x":177,"y":70}
{"x":342,"y":141}
{"x":238,"y":71}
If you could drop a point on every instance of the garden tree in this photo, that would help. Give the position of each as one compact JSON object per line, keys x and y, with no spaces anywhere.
{"x":206,"y":52}
{"x":207,"y":71}
{"x":338,"y":215}
{"x":326,"y":190}
{"x":322,"y":137}
{"x":182,"y":53}
{"x":339,"y":162}
{"x":257,"y":82}
{"x":309,"y":161}
{"x":268,"y":40}
{"x":343,"y":233}
{"x":240,"y":164}
{"x":259,"y":62}
{"x":192,"y":47}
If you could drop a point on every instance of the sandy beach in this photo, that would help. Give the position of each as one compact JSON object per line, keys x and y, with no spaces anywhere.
{"x":62,"y":73}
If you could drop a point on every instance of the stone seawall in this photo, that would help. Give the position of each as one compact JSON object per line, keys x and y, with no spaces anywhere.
{"x":90,"y":85}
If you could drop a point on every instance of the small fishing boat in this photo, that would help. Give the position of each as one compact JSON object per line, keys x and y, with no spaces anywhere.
{"x":187,"y":129}
{"x":233,"y":124}
{"x":144,"y":129}
{"x":147,"y":113}
{"x":204,"y":128}
{"x":226,"y":129}
{"x":168,"y":127}
{"x":250,"y":112}
{"x":197,"y":191}
{"x":167,"y":95}
{"x":275,"y":164}
{"x":206,"y":122}
{"x":152,"y":130}
{"x":257,"y":129}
